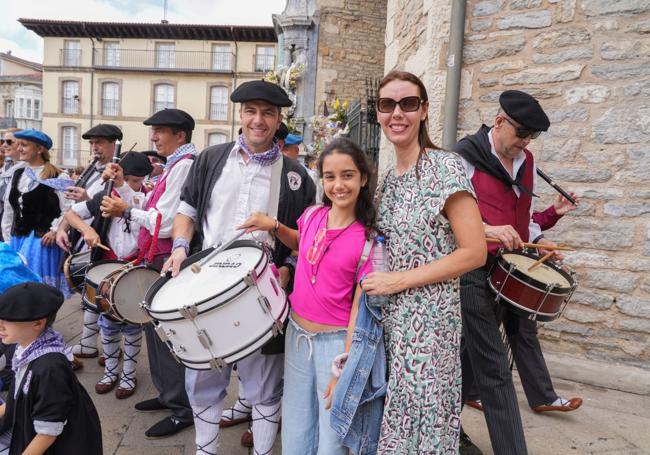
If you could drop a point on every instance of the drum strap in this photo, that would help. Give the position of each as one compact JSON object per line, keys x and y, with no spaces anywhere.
{"x":274,"y":195}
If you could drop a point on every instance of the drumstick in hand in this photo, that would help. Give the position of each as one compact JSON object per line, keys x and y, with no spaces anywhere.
{"x":536,"y":245}
{"x":103,"y":247}
{"x":540,"y":261}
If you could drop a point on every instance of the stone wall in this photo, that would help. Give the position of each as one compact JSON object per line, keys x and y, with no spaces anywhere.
{"x":350,"y":47}
{"x":588,"y":62}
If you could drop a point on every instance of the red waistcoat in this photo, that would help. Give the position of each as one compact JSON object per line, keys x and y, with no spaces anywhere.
{"x":499,"y":204}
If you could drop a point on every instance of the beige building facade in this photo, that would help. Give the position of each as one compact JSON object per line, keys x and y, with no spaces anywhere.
{"x":121,"y":73}
{"x":20,"y":92}
{"x":588,"y":62}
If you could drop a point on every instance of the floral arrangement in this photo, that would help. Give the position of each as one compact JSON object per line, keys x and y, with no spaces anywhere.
{"x":327,"y":127}
{"x":287,"y":78}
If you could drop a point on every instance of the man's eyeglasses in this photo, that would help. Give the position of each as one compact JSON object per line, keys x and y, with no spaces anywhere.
{"x":9,"y":142}
{"x":406,"y":104}
{"x":523,"y":133}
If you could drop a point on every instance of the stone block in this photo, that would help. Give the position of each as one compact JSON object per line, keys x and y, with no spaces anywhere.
{"x":568,"y":114}
{"x":634,"y":306}
{"x":561,"y":38}
{"x":605,"y":25}
{"x":567,"y":130}
{"x":503,"y":66}
{"x":623,"y":124}
{"x":637,"y":88}
{"x":544,"y":75}
{"x":559,"y":149}
{"x":584,"y":314}
{"x":632,"y":209}
{"x":598,"y":194}
{"x":523,"y":4}
{"x":590,"y":175}
{"x":629,"y":49}
{"x":542,"y":93}
{"x":610,"y":280}
{"x":605,"y":157}
{"x":636,"y":325}
{"x":565,"y":11}
{"x":601,"y":7}
{"x":569,"y":327}
{"x":487,"y":7}
{"x":478,"y":52}
{"x":588,"y":93}
{"x":589,"y":259}
{"x":533,"y":19}
{"x":621,"y":71}
{"x":639,"y":27}
{"x":578,"y":53}
{"x":592,"y":232}
{"x":481,"y":24}
{"x":489,"y":82}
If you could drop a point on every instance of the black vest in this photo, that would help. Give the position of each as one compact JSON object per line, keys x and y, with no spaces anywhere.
{"x":39,"y":207}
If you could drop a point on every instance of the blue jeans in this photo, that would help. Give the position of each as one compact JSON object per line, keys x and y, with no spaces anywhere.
{"x":307,"y":371}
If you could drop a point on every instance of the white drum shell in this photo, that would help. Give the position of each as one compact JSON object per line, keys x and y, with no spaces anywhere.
{"x":236,"y":321}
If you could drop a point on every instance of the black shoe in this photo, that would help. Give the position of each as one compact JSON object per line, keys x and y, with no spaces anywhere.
{"x":153,"y":404}
{"x":467,"y":447}
{"x":167,"y":427}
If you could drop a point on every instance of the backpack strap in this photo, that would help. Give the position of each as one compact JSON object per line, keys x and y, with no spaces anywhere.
{"x":310,"y":211}
{"x":364,"y":256}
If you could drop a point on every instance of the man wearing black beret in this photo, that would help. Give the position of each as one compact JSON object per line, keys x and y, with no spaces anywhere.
{"x":171,"y":132}
{"x":227,"y":183}
{"x":503,"y":173}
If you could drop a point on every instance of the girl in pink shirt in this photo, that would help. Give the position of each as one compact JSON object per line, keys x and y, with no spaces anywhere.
{"x":330,"y":240}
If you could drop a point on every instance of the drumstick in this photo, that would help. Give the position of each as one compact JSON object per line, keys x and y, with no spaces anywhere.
{"x":196,"y":267}
{"x":536,"y":245}
{"x":103,"y":247}
{"x":539,"y":262}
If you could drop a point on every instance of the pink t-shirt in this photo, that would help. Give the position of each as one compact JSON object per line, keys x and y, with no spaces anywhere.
{"x":326,"y":277}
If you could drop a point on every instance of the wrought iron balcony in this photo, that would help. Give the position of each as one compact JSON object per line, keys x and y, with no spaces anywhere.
{"x":70,"y":57}
{"x":164,"y":60}
{"x":263,"y":63}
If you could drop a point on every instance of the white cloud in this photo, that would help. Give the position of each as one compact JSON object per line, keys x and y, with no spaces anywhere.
{"x":25,"y":44}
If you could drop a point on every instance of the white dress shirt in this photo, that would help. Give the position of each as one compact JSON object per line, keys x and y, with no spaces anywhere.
{"x":534,"y":231}
{"x":241,"y":190}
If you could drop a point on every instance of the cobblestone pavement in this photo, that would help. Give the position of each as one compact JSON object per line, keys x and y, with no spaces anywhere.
{"x":609,"y":422}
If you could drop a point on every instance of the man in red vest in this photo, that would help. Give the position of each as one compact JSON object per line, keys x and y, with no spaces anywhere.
{"x":502,"y":171}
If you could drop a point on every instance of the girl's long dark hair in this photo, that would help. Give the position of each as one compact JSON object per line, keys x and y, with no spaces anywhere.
{"x":424,"y":140}
{"x":364,"y":210}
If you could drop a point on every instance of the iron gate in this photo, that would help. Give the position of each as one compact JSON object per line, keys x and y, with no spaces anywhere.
{"x":362,"y":122}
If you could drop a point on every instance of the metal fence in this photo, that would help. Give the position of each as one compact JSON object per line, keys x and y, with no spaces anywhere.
{"x":164,"y":59}
{"x":362,"y":122}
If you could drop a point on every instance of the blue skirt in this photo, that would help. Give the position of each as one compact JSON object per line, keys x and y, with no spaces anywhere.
{"x":45,"y":261}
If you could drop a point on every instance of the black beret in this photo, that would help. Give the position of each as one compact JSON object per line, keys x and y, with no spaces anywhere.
{"x":282,"y":132}
{"x":524,"y":109}
{"x":106,"y":130}
{"x":156,"y":154}
{"x":262,"y":91}
{"x":136,"y":164}
{"x":29,"y":301}
{"x":171,"y":117}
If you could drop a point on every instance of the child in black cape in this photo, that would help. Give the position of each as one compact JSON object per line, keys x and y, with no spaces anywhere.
{"x":47,"y":411}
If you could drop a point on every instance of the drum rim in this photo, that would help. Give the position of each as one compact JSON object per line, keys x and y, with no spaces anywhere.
{"x":527,"y":279}
{"x":285,"y":312}
{"x":523,"y":310}
{"x":153,"y":290}
{"x":111,"y":294}
{"x":103,"y":261}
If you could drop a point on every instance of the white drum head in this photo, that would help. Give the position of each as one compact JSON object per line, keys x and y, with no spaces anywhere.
{"x":223,"y":271}
{"x":97,"y":273}
{"x":542,"y":273}
{"x":129,"y":291}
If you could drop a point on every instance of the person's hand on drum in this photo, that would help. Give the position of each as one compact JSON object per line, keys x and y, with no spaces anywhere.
{"x":557,"y":255}
{"x":383,"y":283}
{"x":91,"y":237}
{"x":285,"y":276}
{"x":258,"y":222}
{"x":563,"y":206}
{"x":507,"y":234}
{"x":113,"y":206}
{"x":62,"y":239}
{"x":114,"y":172}
{"x":173,"y":263}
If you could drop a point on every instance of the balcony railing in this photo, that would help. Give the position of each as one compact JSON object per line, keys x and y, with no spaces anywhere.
{"x":164,"y":60}
{"x":110,"y":107}
{"x":218,"y":111}
{"x":263,"y":63}
{"x":70,"y":105}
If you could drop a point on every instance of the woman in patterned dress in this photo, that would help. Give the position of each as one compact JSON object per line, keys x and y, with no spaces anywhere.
{"x":433,"y":234}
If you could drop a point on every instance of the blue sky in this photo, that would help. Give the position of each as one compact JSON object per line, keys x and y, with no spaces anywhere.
{"x":26,"y":44}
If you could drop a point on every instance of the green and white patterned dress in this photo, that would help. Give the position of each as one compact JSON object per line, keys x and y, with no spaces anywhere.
{"x":422,"y":326}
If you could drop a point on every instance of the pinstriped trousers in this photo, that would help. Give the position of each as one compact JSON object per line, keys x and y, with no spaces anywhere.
{"x":485,"y":362}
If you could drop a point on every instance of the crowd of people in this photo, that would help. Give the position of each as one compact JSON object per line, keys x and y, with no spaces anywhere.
{"x":374,"y":357}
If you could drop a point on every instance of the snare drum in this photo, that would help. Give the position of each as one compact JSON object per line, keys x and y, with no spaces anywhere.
{"x":124,"y":290}
{"x":95,"y":275}
{"x":223,"y":313}
{"x":540,"y":294}
{"x":74,"y":270}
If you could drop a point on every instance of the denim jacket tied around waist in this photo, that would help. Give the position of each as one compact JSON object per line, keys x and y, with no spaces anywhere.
{"x":358,"y":399}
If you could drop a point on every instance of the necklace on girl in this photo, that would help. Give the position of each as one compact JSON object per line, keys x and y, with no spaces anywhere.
{"x":318,"y":249}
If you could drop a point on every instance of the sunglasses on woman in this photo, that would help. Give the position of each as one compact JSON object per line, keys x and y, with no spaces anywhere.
{"x":523,"y":133}
{"x":406,"y":104}
{"x":7,"y":141}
